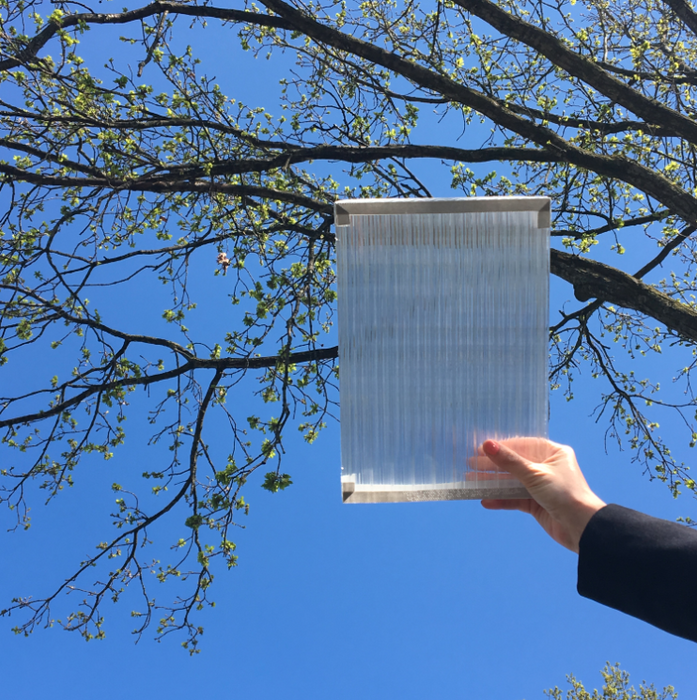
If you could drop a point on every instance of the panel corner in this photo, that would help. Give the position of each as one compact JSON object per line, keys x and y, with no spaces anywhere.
{"x":544,"y":215}
{"x":341,"y":216}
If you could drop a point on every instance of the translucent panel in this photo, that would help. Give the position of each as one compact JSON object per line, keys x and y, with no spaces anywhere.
{"x":443,"y":324}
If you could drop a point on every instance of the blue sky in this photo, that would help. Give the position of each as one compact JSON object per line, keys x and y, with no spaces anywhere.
{"x":329,"y":600}
{"x":423,"y":600}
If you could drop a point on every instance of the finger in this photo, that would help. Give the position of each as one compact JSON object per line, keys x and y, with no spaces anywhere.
{"x":481,"y":463}
{"x":498,"y":475}
{"x":508,"y":460}
{"x":522,"y":504}
{"x":534,"y":449}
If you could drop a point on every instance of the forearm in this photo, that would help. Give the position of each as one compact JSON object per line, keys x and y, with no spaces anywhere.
{"x":642,"y":566}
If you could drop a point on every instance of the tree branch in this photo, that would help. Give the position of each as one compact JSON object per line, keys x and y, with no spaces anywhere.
{"x":611,"y":226}
{"x":683,"y":10}
{"x":581,"y":67}
{"x":28,"y":53}
{"x":592,"y":279}
{"x":162,"y":185}
{"x":155,"y":121}
{"x":221,"y":364}
{"x":358,"y":154}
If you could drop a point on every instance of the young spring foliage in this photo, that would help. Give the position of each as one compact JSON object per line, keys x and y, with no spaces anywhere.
{"x":615,"y":687}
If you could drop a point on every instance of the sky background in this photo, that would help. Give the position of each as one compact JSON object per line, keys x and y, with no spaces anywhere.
{"x":422,"y":600}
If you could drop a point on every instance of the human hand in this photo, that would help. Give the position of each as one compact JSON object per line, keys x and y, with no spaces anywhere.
{"x":562,"y":502}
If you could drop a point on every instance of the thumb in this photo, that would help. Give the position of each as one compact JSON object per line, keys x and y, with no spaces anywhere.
{"x":508,"y":460}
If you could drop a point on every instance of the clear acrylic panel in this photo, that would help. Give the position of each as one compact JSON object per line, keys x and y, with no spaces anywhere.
{"x":443,"y":330}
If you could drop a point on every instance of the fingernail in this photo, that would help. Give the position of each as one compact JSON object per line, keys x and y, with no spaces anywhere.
{"x":491,"y":447}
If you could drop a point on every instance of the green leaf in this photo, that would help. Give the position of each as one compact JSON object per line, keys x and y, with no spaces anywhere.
{"x":194,"y":521}
{"x":274,"y":482}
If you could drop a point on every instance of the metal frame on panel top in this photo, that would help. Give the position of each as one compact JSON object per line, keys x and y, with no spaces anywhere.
{"x":345,"y":209}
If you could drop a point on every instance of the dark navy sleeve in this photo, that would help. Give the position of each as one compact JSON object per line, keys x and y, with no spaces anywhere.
{"x":642,"y":566}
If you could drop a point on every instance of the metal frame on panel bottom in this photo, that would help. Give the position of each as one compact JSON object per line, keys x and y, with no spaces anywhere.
{"x":352,"y":492}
